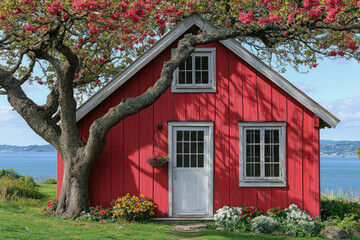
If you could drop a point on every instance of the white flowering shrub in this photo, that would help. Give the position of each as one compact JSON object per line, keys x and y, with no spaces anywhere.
{"x":299,"y":223}
{"x":293,"y":213}
{"x":227,"y":217}
{"x":264,"y":224}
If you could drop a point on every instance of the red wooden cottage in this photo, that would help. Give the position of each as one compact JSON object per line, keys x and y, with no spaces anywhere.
{"x":236,"y":133}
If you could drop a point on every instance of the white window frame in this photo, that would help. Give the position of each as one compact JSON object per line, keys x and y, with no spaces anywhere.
{"x":262,"y":181}
{"x":186,"y":88}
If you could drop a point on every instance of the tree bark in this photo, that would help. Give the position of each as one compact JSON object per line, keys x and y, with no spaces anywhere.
{"x":74,"y":197}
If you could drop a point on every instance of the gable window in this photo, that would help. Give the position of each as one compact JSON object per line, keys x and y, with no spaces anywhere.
{"x":196,"y":74}
{"x":262,"y":155}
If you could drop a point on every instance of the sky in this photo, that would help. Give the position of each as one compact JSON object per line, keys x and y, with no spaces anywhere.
{"x":334,"y":84}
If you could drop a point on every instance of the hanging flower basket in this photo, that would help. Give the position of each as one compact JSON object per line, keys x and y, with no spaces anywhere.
{"x":157,"y":161}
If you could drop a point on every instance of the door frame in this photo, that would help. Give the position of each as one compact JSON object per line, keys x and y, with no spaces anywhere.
{"x":210,"y":153}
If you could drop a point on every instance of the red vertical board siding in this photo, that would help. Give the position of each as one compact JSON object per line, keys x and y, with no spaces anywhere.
{"x":221,"y":131}
{"x":192,"y":107}
{"x":131,"y":141}
{"x":146,"y":134}
{"x":278,"y":195}
{"x":310,"y":165}
{"x":265,"y":114}
{"x":117,"y":151}
{"x":236,"y":115}
{"x":59,"y":174}
{"x":162,"y":113}
{"x":315,"y":169}
{"x":294,"y":152}
{"x":242,"y":94}
{"x":250,"y":107}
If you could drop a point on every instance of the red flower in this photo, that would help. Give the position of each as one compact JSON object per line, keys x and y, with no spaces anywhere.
{"x":53,"y":10}
{"x":100,"y":215}
{"x":94,"y":211}
{"x":41,"y":83}
{"x":66,"y":16}
{"x":97,"y":207}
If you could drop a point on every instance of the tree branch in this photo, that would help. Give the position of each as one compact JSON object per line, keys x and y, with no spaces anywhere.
{"x":131,"y":106}
{"x":29,"y":72}
{"x":35,"y":117}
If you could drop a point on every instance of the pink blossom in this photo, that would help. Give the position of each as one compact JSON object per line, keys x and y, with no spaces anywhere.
{"x":246,"y":18}
{"x":96,"y":83}
{"x":310,"y":3}
{"x":53,"y":10}
{"x":291,"y":17}
{"x":341,"y":53}
{"x":29,"y":28}
{"x":314,"y":14}
{"x":66,"y":16}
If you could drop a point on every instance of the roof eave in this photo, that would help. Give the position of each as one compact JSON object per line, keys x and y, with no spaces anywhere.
{"x":232,"y":45}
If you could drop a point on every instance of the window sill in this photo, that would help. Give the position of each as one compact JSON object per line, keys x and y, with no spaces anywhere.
{"x":193,"y":90}
{"x":262,"y":184}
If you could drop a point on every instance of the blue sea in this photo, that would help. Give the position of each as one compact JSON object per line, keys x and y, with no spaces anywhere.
{"x":38,"y":165}
{"x":336,"y":172}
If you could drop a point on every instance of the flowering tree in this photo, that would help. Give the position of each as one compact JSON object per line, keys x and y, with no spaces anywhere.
{"x":76,"y":45}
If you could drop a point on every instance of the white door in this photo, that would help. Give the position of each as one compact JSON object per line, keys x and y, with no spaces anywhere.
{"x":191,"y":180}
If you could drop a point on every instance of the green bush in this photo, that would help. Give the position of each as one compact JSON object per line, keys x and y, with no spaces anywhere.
{"x":10,"y":173}
{"x":350,"y":222}
{"x":50,"y":181}
{"x":339,"y":208}
{"x":18,"y":188}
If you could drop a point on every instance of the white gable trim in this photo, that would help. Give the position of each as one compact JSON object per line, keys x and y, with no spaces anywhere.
{"x":232,"y":45}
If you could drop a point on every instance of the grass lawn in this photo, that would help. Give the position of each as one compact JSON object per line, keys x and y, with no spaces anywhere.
{"x":23,"y":220}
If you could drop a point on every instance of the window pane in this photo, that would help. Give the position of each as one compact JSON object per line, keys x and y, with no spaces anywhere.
{"x":201,"y":160}
{"x":276,"y":170}
{"x":181,"y":77}
{"x":200,"y":147}
{"x":193,"y":147}
{"x":268,"y":170}
{"x":186,"y":147}
{"x":179,"y":135}
{"x":248,"y":150}
{"x":205,"y":77}
{"x":257,"y":151}
{"x":186,"y":135}
{"x":268,"y":153}
{"x":276,"y":153}
{"x":249,"y":170}
{"x":252,"y":136}
{"x":186,"y":160}
{"x":276,"y":136}
{"x":197,"y":77}
{"x":197,"y":63}
{"x":189,"y":64}
{"x":179,"y":160}
{"x":257,"y":169}
{"x":182,"y":66}
{"x":205,"y":63}
{"x":188,"y":77}
{"x":193,"y":160}
{"x":271,"y":136}
{"x":179,"y":147}
{"x":193,"y":135}
{"x":200,"y":136}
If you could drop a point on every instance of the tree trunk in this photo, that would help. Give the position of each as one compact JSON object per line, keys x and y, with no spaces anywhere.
{"x":74,"y":197}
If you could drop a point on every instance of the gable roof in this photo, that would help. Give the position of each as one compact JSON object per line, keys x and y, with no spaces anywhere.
{"x":327,"y":118}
